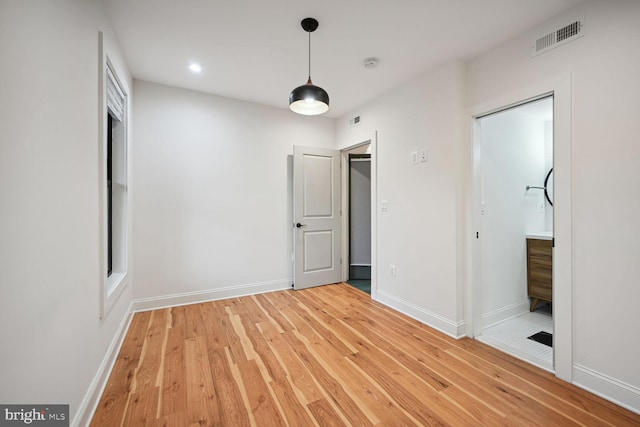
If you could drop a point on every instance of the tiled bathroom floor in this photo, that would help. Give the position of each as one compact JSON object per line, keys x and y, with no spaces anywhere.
{"x":511,"y":337}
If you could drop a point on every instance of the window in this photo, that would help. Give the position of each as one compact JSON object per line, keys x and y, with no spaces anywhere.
{"x":115,"y":189}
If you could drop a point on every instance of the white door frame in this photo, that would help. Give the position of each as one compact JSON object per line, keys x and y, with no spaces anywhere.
{"x":374,"y":203}
{"x":560,"y":88}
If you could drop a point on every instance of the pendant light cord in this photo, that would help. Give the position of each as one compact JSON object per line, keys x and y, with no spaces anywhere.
{"x":309,"y":56}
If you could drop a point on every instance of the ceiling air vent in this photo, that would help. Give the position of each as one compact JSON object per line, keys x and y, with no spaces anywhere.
{"x":558,"y":37}
{"x":354,"y":121}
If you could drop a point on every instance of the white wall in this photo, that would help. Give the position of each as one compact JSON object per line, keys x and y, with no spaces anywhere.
{"x":605,"y":66}
{"x":419,"y":233}
{"x":513,"y":156}
{"x":53,"y":341}
{"x":212,"y":201}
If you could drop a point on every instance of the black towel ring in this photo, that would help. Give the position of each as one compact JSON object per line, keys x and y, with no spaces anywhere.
{"x":546,"y":193}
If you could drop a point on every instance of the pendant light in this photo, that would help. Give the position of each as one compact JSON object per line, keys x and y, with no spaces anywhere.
{"x":309,"y":99}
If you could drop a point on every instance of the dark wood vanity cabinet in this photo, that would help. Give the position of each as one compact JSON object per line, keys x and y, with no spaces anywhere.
{"x":539,"y":271}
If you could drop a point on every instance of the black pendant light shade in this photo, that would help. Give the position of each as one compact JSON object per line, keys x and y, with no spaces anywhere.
{"x":309,"y":99}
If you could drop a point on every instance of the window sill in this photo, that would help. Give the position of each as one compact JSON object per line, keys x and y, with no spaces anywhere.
{"x":113,"y":286}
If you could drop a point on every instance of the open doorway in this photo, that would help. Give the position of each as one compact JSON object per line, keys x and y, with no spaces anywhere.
{"x":516,"y":225}
{"x":358,"y":217}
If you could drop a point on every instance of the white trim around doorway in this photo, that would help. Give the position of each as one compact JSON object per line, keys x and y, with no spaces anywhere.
{"x":560,"y":88}
{"x":374,"y":203}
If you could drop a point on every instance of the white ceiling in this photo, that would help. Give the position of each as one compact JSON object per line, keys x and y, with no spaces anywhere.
{"x":255,"y":50}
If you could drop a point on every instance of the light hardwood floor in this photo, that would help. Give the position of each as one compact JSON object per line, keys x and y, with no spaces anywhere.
{"x":326,"y":356}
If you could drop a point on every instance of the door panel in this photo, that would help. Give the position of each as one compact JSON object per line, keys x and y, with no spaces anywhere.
{"x":316,"y":205}
{"x":319,"y":253}
{"x":318,"y":184}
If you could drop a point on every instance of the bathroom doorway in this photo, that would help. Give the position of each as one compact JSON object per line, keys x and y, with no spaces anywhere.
{"x":516,"y":228}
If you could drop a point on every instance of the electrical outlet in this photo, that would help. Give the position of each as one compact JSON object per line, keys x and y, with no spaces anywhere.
{"x":424,"y":155}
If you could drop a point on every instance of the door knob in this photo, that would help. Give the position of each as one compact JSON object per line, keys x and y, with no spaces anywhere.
{"x":300,"y":225}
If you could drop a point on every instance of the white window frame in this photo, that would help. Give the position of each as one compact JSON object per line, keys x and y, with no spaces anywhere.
{"x":113,"y":101}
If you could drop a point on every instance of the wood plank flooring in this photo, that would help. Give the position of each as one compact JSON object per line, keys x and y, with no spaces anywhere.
{"x":326,"y":356}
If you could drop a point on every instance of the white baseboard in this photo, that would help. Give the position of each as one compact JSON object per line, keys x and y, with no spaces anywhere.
{"x":449,"y":327}
{"x":154,"y":303}
{"x":92,"y":397}
{"x":608,"y":388}
{"x":504,"y":313}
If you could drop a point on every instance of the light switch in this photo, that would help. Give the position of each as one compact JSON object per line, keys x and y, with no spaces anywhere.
{"x":414,"y":157}
{"x":384,"y":205}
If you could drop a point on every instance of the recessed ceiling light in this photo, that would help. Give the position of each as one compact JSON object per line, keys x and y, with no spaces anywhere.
{"x":196,"y":68}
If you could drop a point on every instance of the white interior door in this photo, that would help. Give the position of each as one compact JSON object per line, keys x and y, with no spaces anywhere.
{"x":316,"y":216}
